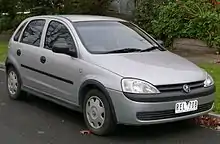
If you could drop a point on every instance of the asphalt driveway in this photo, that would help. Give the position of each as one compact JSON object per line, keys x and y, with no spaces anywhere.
{"x":36,"y":121}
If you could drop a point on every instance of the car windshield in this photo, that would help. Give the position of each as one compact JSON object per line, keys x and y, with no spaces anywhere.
{"x":113,"y":37}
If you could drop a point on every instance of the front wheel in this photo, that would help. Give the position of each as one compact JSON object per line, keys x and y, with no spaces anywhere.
{"x":97,"y":113}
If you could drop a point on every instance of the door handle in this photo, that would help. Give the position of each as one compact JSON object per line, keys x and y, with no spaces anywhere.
{"x":18,"y":52}
{"x":43,"y":59}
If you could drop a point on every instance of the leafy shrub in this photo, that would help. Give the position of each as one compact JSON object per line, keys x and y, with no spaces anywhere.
{"x":17,"y":20}
{"x":184,"y":18}
{"x":86,"y":6}
{"x":43,"y":7}
{"x":5,"y":23}
{"x":145,"y":12}
{"x":8,"y":23}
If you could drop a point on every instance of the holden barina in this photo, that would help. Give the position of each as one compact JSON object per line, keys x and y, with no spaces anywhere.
{"x":109,"y":69}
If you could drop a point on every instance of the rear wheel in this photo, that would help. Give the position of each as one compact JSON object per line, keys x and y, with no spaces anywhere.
{"x":97,"y":113}
{"x":13,"y":82}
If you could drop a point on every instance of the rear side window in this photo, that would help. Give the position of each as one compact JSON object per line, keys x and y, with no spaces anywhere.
{"x":32,"y":33}
{"x":17,"y":35}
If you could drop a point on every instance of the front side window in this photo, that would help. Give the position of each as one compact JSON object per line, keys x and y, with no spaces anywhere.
{"x":32,"y":33}
{"x":112,"y":36}
{"x":17,"y":35}
{"x":58,"y":33}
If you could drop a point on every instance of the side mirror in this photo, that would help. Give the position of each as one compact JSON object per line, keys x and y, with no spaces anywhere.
{"x":63,"y":48}
{"x":160,"y":42}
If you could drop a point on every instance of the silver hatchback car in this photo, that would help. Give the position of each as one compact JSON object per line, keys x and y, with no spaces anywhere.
{"x":107,"y":68}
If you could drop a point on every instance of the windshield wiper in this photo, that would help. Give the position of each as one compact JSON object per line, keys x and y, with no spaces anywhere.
{"x":150,"y":49}
{"x":128,"y":50}
{"x":125,"y":50}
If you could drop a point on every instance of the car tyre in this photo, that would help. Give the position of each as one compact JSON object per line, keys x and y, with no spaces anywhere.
{"x":97,"y":113}
{"x":13,"y":84}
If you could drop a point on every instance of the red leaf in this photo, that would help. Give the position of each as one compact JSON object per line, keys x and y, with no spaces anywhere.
{"x":85,"y":132}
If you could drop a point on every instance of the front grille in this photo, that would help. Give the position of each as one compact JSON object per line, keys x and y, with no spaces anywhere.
{"x":179,"y":87}
{"x":157,"y":115}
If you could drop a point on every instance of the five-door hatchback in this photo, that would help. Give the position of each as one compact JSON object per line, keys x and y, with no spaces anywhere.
{"x":107,"y":68}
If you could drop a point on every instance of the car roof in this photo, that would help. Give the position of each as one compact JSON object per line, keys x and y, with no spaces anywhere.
{"x":78,"y":18}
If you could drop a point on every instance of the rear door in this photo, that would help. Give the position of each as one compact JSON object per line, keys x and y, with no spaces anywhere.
{"x":30,"y":43}
{"x":14,"y":51}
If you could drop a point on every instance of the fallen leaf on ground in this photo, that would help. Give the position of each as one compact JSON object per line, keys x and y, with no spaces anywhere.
{"x":208,"y":121}
{"x":218,"y":128}
{"x":85,"y":132}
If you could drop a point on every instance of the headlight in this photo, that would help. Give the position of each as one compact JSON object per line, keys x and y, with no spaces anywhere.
{"x":138,"y":86}
{"x":209,"y":81}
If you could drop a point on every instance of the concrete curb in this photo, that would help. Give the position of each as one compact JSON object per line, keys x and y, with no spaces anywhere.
{"x":211,"y":114}
{"x":2,"y":65}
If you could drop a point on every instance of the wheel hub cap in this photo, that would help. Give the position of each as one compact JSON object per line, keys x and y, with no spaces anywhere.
{"x":95,"y":112}
{"x":12,"y":82}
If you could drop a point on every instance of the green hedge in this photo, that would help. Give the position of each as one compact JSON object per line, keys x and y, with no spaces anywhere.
{"x":42,"y":7}
{"x":8,"y":23}
{"x":197,"y":19}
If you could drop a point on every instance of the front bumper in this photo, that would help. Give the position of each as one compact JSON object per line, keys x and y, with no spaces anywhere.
{"x":132,"y":112}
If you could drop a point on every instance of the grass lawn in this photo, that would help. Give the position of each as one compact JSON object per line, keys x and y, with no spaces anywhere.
{"x":213,"y":69}
{"x":3,"y":51}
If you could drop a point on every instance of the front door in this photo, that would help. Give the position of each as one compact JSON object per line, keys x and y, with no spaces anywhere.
{"x":63,"y":73}
{"x":30,"y":50}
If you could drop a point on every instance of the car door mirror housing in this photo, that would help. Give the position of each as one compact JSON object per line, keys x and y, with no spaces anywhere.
{"x":63,"y":48}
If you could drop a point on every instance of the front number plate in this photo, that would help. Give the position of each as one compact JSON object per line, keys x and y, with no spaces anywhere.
{"x":188,"y":106}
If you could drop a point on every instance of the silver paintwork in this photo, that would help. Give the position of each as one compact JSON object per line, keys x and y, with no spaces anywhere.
{"x":126,"y":109}
{"x":156,"y":67}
